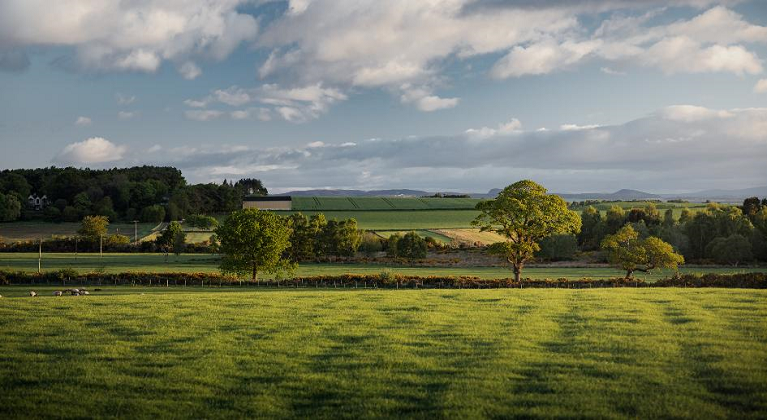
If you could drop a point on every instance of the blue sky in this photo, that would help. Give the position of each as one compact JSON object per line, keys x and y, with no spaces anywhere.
{"x":664,"y":96}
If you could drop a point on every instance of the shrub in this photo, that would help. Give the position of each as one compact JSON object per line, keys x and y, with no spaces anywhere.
{"x":558,"y":248}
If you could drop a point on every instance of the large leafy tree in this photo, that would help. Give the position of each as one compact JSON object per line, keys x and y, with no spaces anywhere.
{"x":253,"y":241}
{"x":525,"y":214}
{"x":92,"y":227}
{"x":628,"y":252}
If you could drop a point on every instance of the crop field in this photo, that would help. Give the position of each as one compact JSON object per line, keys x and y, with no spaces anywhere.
{"x":401,"y":219}
{"x":25,"y":231}
{"x":382,"y":203}
{"x":200,"y":263}
{"x":213,"y":353}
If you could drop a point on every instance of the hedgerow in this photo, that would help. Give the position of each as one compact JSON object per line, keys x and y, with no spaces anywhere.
{"x":384,"y":280}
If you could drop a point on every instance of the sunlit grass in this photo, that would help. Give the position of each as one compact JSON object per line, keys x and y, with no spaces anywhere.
{"x":202,"y":353}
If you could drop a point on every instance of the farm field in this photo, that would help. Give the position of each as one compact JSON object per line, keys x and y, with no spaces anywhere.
{"x":422,"y":233}
{"x":212,"y":353}
{"x":25,"y":231}
{"x":382,"y":203}
{"x":400,"y":219}
{"x":190,"y":263}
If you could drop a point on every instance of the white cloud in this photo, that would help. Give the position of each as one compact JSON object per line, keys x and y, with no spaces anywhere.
{"x":576,"y":127}
{"x":124,"y":99}
{"x":608,"y":70}
{"x":691,"y":113}
{"x":189,"y":70}
{"x":296,"y":104}
{"x":128,"y":36}
{"x":126,"y":115}
{"x":92,"y":150}
{"x":196,"y":103}
{"x":83,"y":121}
{"x":154,"y":149}
{"x":486,"y":132}
{"x":424,"y":100}
{"x":542,"y":58}
{"x":761,"y":86}
{"x":682,"y":54}
{"x":203,"y":114}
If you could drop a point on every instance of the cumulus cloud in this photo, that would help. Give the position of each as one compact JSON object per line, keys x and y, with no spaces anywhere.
{"x":370,"y":44}
{"x":692,"y":113}
{"x":90,"y":151}
{"x":761,"y":86}
{"x":296,"y":104}
{"x":129,"y":36}
{"x":83,"y":121}
{"x":673,"y":152}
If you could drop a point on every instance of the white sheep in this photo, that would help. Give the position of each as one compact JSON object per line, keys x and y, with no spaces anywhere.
{"x":85,"y":292}
{"x":32,"y":293}
{"x":57,"y":293}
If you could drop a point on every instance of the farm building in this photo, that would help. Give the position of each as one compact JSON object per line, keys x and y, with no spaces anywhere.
{"x":268,"y":203}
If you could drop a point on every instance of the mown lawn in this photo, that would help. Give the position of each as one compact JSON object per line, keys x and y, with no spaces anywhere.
{"x":199,"y":263}
{"x":611,"y":353}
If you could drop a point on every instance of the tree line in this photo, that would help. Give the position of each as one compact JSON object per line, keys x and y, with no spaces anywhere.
{"x":146,"y":193}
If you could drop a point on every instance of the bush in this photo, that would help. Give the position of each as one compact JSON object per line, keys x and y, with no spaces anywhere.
{"x":411,"y":246}
{"x":371,"y":244}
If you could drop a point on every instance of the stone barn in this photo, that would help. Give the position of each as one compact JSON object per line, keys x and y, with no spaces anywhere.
{"x":268,"y":203}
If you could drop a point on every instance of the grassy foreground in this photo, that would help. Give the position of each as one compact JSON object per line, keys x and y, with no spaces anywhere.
{"x":350,"y":354}
{"x":200,"y":263}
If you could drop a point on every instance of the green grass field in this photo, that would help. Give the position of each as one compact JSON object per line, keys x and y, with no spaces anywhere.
{"x":192,"y":263}
{"x":223,"y":353}
{"x":24,"y":231}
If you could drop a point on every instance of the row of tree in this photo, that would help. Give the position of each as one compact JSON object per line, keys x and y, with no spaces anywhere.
{"x":720,"y":233}
{"x":147,"y":193}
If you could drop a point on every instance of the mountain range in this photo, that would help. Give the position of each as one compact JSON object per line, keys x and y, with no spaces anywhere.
{"x":620,"y":195}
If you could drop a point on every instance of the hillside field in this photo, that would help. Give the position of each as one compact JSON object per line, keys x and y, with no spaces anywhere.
{"x":191,"y":263}
{"x":610,"y":353}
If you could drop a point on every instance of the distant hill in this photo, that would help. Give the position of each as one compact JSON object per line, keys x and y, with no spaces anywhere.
{"x":620,"y":195}
{"x":721,"y":195}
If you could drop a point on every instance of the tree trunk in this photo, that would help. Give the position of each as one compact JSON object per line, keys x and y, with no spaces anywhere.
{"x":629,"y":273}
{"x":255,"y":272}
{"x":518,"y":273}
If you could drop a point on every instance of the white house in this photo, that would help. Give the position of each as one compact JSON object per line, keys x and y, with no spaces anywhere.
{"x":36,"y":202}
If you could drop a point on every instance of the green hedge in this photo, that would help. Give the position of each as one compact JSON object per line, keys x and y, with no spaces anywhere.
{"x":383,"y":280}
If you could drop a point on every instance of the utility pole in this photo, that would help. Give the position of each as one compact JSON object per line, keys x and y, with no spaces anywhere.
{"x":40,"y":256}
{"x":135,"y":232}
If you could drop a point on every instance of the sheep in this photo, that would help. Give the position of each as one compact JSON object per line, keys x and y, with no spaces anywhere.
{"x":85,"y":292}
{"x":57,"y":293}
{"x":75,"y":292}
{"x":32,"y":293}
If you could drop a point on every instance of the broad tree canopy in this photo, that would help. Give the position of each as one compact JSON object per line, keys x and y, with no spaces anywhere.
{"x":627,"y":251}
{"x":254,"y":241}
{"x":524,"y":213}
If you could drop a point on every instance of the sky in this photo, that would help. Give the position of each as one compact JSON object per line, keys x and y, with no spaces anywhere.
{"x":439,"y":95}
